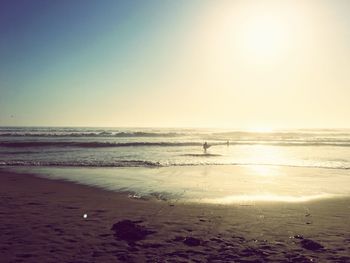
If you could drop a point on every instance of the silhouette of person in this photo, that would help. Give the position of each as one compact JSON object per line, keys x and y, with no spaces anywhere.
{"x":228,"y":143}
{"x":205,"y":147}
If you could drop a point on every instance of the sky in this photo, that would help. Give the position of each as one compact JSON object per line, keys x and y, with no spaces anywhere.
{"x":263,"y":64}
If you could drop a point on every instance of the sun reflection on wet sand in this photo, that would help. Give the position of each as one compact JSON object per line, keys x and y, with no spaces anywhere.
{"x":265,"y":171}
{"x":214,"y":184}
{"x":234,"y":199}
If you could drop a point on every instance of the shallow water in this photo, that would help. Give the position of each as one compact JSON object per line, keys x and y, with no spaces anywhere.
{"x":211,"y":184}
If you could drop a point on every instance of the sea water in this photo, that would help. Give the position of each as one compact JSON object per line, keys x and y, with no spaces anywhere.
{"x":286,"y":164}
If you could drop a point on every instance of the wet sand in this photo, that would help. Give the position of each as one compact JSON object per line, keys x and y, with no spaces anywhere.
{"x":43,"y":220}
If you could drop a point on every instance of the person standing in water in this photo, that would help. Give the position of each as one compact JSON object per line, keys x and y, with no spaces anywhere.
{"x":205,"y":147}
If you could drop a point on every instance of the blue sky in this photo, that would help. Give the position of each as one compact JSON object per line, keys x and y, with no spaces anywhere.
{"x":50,"y":50}
{"x":171,"y":63}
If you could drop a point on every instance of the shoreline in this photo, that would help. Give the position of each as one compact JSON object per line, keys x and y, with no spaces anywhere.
{"x":42,"y":220}
{"x":208,"y":184}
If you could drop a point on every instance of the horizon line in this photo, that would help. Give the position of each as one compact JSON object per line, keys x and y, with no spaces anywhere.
{"x":257,"y":129}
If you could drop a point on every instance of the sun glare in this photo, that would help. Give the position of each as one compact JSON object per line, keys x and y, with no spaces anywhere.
{"x":264,"y":37}
{"x":261,"y":129}
{"x":252,"y":198}
{"x":264,"y":170}
{"x":263,"y":33}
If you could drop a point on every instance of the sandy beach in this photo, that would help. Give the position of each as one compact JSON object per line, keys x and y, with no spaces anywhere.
{"x":42,"y":220}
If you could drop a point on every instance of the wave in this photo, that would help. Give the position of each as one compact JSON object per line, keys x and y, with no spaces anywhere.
{"x":150,"y":164}
{"x":95,"y":144}
{"x":345,"y":143}
{"x":119,"y":163}
{"x":285,"y":134}
{"x":90,"y":134}
{"x":201,"y":133}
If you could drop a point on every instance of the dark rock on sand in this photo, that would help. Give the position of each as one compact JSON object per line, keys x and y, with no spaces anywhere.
{"x":310,"y":244}
{"x":130,"y":231}
{"x":192,"y":241}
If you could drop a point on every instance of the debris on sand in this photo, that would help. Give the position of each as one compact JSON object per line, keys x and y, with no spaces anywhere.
{"x":298,"y":237}
{"x":130,"y":231}
{"x":310,"y":244}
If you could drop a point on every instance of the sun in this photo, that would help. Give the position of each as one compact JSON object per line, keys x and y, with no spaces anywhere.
{"x":263,"y":33}
{"x":264,"y":37}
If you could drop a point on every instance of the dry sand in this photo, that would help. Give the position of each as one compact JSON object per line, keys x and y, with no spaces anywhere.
{"x":42,"y":220}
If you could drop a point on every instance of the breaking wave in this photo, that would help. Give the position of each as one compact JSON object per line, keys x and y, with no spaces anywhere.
{"x":94,"y":144}
{"x":119,"y":163}
{"x":149,"y":164}
{"x":88,"y":134}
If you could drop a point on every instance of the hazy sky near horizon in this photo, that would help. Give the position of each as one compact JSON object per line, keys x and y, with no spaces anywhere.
{"x":191,"y":63}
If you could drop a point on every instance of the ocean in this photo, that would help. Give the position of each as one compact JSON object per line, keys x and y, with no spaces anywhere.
{"x":171,"y":164}
{"x":116,"y":147}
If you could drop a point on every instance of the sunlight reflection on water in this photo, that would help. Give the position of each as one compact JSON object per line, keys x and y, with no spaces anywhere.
{"x":233,"y":199}
{"x":212,"y":184}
